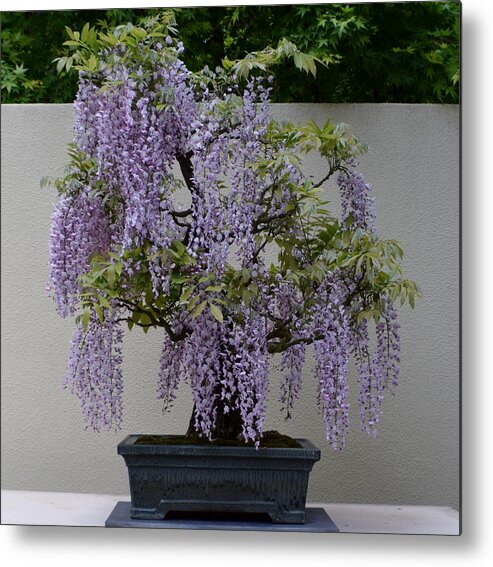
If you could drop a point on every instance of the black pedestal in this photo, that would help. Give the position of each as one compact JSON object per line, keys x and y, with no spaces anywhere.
{"x":317,"y":520}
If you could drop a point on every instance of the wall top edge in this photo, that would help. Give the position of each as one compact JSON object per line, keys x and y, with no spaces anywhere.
{"x":274,"y":104}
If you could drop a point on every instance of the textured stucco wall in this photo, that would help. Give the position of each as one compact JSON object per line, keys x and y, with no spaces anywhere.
{"x":413,"y":165}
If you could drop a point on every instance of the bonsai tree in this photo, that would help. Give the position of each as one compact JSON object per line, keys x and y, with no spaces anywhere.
{"x":251,"y":263}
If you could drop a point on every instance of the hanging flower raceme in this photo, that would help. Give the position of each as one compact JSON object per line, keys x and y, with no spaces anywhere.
{"x":379,"y":371}
{"x":134,"y":129}
{"x":286,"y":305}
{"x":331,"y":351}
{"x":201,"y":364}
{"x":356,"y":198}
{"x":94,"y":372}
{"x":251,"y":373}
{"x":291,"y":367}
{"x":170,"y":370}
{"x":370,"y":379}
{"x":79,"y":228}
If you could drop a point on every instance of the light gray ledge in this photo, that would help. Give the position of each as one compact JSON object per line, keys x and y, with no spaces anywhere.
{"x":76,"y":509}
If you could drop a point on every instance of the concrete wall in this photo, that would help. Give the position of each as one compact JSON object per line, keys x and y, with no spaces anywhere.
{"x":413,"y":165}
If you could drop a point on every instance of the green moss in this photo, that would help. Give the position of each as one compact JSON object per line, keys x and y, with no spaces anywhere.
{"x":270,"y":439}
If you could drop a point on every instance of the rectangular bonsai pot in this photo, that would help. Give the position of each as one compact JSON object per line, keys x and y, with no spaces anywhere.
{"x":211,"y":478}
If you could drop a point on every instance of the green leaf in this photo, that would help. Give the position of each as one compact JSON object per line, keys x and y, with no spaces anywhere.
{"x":84,"y":32}
{"x":99,"y":312}
{"x":217,"y":300}
{"x":179,"y":247}
{"x":198,"y":310}
{"x":175,"y":278}
{"x":227,"y":64}
{"x":145,"y":319}
{"x":111,"y":275}
{"x":366,"y":314}
{"x":247,"y":296}
{"x":187,"y":292}
{"x":149,"y":297}
{"x":193,"y":302}
{"x":86,"y":317}
{"x":216,"y":312}
{"x":93,"y":62}
{"x":411,"y":300}
{"x":214,"y":288}
{"x":243,"y":68}
{"x":61,"y":64}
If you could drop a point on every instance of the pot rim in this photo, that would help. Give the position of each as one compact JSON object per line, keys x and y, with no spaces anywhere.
{"x":306,"y":450}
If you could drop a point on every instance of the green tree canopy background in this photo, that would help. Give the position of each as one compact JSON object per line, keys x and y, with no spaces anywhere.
{"x":378,"y":52}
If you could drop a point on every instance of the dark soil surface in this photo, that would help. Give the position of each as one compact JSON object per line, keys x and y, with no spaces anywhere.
{"x":270,"y":439}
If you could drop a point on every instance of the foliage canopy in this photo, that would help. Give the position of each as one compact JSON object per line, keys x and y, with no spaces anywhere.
{"x":377,"y":52}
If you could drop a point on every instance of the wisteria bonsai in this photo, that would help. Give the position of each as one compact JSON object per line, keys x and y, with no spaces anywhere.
{"x":251,"y":264}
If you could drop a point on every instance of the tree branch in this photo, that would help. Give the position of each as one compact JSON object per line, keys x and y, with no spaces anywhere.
{"x":181,"y":214}
{"x":263,"y":219}
{"x":186,"y":168}
{"x":281,"y":346}
{"x":322,"y":181}
{"x":336,"y":166}
{"x":158,"y":322}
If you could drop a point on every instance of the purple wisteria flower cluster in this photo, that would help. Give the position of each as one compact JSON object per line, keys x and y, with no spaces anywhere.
{"x":124,"y":249}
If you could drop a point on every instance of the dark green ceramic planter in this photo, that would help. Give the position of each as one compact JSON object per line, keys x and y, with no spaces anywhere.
{"x":203,"y":478}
